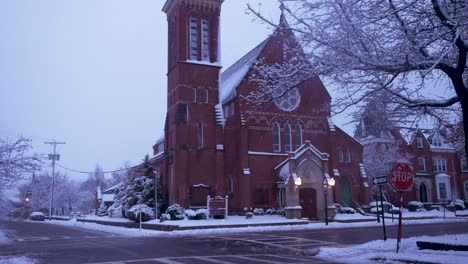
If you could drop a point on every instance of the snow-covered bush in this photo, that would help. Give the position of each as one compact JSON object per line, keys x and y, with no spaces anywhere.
{"x":414,"y":206}
{"x":176,"y":212}
{"x":281,"y":212}
{"x":347,"y":210}
{"x":248,"y":215}
{"x":147,"y":213}
{"x":270,"y":211}
{"x":102,"y":211}
{"x":394,"y":209}
{"x":218,"y":216}
{"x":258,"y":211}
{"x":115,"y":210}
{"x":190,"y":213}
{"x":459,"y":204}
{"x":201,"y":214}
{"x":164,"y":217}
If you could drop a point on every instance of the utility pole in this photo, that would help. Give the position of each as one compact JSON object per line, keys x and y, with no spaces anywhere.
{"x":53,"y":157}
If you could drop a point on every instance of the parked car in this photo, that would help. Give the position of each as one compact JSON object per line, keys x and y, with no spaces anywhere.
{"x":37,"y":216}
{"x":78,"y":214}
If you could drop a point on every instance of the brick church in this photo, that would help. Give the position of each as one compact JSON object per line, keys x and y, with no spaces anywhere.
{"x":277,"y":155}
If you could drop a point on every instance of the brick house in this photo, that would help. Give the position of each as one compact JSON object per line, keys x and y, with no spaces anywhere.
{"x":216,"y":143}
{"x":440,"y":167}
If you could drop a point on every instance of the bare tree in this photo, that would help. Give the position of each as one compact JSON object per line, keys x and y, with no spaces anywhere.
{"x":16,"y":161}
{"x":415,"y":50}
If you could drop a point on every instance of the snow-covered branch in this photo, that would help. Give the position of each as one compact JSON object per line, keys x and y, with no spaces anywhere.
{"x":16,"y":161}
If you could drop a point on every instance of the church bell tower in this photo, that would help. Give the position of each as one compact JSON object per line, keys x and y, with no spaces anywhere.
{"x":191,"y":133}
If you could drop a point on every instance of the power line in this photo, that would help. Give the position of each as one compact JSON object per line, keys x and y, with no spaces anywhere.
{"x":88,"y":172}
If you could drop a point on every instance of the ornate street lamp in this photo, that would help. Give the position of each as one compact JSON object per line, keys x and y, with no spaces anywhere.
{"x":327,"y":183}
{"x":297,"y":182}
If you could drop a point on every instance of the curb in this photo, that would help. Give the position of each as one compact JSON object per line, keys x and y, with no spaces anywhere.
{"x":170,"y":228}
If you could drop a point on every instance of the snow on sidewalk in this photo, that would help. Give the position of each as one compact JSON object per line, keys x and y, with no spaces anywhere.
{"x":311,"y":226}
{"x":380,"y":251}
{"x":17,"y":260}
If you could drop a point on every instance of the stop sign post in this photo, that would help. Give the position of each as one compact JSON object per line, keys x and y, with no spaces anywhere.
{"x":402,"y":178}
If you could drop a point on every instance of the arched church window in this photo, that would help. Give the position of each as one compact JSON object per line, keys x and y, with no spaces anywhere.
{"x":193,"y":38}
{"x":348,"y":155}
{"x":340,"y":156}
{"x":287,"y":138}
{"x":298,"y":135}
{"x":276,"y":138}
{"x":200,"y":135}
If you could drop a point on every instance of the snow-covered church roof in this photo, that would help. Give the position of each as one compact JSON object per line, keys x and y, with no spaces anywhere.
{"x":233,"y":76}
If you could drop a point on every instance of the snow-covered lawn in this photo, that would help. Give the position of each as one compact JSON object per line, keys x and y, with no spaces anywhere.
{"x":232,"y":220}
{"x":311,"y":226}
{"x":106,"y":218}
{"x":406,"y":215}
{"x":380,"y":251}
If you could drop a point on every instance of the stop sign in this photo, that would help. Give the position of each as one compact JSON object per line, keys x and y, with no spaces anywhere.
{"x":402,"y":176}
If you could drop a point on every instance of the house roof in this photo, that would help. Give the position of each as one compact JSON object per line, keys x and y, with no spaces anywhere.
{"x":233,"y":76}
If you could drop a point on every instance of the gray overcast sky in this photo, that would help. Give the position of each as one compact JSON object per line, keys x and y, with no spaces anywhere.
{"x":93,"y":73}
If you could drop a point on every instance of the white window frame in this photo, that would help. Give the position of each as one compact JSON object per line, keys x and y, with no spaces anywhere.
{"x":298,"y":135}
{"x":287,"y":138}
{"x":464,"y":164}
{"x":423,"y":163}
{"x":276,"y":138}
{"x":205,"y":40}
{"x":194,"y":95}
{"x":440,"y":165}
{"x":465,"y":188}
{"x":436,"y":141}
{"x":340,"y":156}
{"x":443,"y":179}
{"x":419,"y":142}
{"x":193,"y":38}
{"x":200,"y":140}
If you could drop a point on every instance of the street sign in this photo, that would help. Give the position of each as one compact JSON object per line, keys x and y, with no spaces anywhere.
{"x":402,"y":176}
{"x":379,"y":180}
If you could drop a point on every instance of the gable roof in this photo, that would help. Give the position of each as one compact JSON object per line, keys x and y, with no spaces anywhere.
{"x":233,"y":76}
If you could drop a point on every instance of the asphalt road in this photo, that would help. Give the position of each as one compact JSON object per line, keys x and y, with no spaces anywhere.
{"x":50,"y":243}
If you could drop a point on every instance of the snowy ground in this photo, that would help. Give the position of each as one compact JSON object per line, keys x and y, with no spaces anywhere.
{"x":380,"y":251}
{"x":3,"y":238}
{"x":311,"y":226}
{"x":16,"y":260}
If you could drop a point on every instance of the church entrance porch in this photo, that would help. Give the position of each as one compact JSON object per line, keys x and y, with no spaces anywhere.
{"x":308,"y":202}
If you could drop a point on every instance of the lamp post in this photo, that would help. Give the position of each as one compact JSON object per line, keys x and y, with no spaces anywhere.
{"x":297,"y":182}
{"x":327,"y":183}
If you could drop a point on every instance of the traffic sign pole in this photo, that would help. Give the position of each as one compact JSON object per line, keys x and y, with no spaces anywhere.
{"x":399,"y":224}
{"x":383,"y":213}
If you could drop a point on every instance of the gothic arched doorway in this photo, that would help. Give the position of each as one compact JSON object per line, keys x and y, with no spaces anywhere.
{"x":423,"y":193}
{"x":345,"y":191}
{"x":308,"y":201}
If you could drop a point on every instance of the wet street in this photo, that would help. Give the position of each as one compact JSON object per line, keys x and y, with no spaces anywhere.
{"x":50,"y":243}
